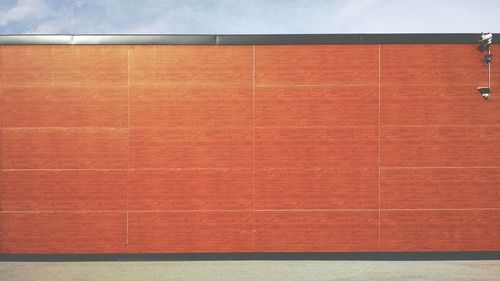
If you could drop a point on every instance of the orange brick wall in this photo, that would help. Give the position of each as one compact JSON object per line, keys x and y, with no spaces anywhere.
{"x":160,"y":149}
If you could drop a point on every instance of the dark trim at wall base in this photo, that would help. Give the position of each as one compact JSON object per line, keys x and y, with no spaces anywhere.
{"x":358,"y":256}
{"x":257,"y":39}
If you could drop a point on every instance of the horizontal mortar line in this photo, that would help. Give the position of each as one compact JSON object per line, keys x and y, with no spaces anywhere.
{"x":472,"y":84}
{"x":195,"y":169}
{"x":248,"y":83}
{"x":16,"y":169}
{"x":217,"y":127}
{"x":68,"y":211}
{"x":124,"y":84}
{"x":367,"y":84}
{"x":217,"y":84}
{"x":247,"y":126}
{"x":316,"y":127}
{"x":313,"y":210}
{"x":125,"y":211}
{"x":444,"y":209}
{"x":75,"y":70}
{"x":319,"y":168}
{"x":438,"y":126}
{"x":222,"y":127}
{"x":56,"y":85}
{"x":65,"y":128}
{"x":374,"y":209}
{"x":126,"y":169}
{"x":187,"y":84}
{"x":440,"y":167}
{"x":63,"y":84}
{"x":178,"y":211}
{"x":250,"y":210}
{"x":341,"y":166}
{"x":374,"y":126}
{"x":374,"y":84}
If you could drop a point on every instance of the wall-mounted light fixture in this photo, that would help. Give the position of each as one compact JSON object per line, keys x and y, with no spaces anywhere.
{"x":487,"y":59}
{"x":485,"y":92}
{"x":485,"y":41}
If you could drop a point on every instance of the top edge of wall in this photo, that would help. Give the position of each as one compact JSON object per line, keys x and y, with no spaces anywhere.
{"x":256,"y":39}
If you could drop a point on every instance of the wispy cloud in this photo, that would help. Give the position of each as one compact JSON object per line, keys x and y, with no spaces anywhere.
{"x":23,"y":10}
{"x":249,"y":16}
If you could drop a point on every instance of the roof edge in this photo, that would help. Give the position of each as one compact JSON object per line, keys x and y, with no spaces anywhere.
{"x":240,"y":39}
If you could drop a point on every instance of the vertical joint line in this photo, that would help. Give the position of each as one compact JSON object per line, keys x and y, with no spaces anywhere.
{"x":128,"y":136}
{"x":1,"y":98}
{"x":1,"y":132}
{"x":253,"y":147}
{"x":379,"y":145}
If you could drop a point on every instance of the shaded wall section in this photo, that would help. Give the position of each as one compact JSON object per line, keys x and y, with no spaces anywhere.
{"x":197,"y":148}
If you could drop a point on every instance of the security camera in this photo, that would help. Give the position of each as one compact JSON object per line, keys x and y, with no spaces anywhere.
{"x":485,"y":36}
{"x":487,"y":59}
{"x":485,"y":92}
{"x":485,"y":40}
{"x":484,"y":46}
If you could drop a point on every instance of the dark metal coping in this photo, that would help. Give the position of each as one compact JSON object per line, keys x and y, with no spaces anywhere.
{"x":359,"y":256}
{"x":277,"y":39}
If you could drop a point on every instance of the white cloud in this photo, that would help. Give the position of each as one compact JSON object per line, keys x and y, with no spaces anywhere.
{"x":24,"y":10}
{"x":354,"y":10}
{"x":249,"y":16}
{"x":432,"y":16}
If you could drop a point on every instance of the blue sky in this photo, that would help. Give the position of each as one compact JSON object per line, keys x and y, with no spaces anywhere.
{"x":247,"y":16}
